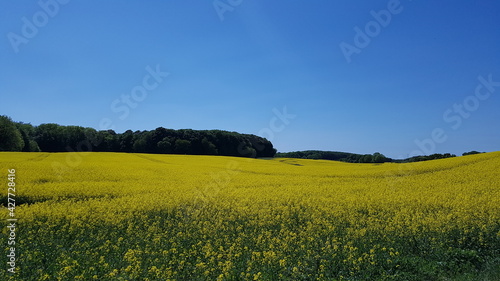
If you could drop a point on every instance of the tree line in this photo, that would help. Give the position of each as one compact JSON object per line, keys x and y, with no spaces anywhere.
{"x":336,"y":156}
{"x":18,"y":136}
{"x":363,"y":158}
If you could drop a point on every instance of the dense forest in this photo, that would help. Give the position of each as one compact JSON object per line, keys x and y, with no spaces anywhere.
{"x":16,"y":136}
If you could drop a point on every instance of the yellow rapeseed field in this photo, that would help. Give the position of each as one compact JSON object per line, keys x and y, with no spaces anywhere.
{"x":116,"y":216}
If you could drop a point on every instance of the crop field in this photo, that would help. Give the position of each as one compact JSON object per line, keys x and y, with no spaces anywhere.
{"x":116,"y":216}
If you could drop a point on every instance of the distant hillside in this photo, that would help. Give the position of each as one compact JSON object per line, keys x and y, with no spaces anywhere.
{"x":56,"y":138}
{"x":361,"y":158}
{"x":336,"y":156}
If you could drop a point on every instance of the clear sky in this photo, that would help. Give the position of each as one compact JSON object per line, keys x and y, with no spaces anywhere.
{"x":355,"y":76}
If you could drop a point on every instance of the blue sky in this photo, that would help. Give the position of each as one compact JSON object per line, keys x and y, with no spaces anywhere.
{"x":238,"y":68}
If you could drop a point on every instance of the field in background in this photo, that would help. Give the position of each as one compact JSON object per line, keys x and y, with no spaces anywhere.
{"x":113,"y":216}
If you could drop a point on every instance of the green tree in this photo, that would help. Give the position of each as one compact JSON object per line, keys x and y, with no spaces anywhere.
{"x":73,"y":136}
{"x":50,"y":137}
{"x":165,"y":146}
{"x":208,"y":147}
{"x":28,"y":134}
{"x":367,"y":158}
{"x":378,"y":158}
{"x":10,"y":137}
{"x":92,"y":136}
{"x":127,"y":141}
{"x":182,"y":146}
{"x":471,"y":153}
